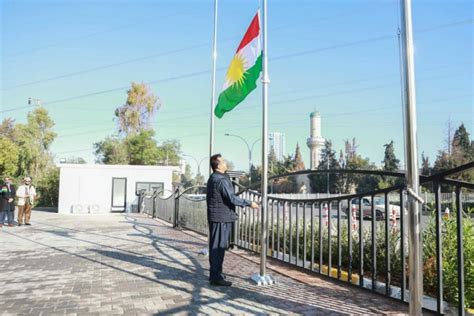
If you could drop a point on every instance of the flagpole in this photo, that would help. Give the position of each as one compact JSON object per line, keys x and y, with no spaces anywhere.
{"x":415,"y":273}
{"x":213,"y":95}
{"x":263,"y":278}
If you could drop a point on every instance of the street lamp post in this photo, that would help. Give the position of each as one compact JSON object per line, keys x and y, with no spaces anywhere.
{"x":250,"y":149}
{"x":198,"y":163}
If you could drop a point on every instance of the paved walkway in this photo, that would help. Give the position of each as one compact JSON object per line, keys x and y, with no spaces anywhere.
{"x":133,"y":265}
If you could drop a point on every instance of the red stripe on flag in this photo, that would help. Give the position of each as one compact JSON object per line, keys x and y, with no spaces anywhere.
{"x":252,"y":32}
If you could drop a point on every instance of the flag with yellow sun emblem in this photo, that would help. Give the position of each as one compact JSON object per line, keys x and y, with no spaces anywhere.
{"x":244,"y":70}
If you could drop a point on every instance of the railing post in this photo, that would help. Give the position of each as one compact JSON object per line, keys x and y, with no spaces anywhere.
{"x":460,"y":251}
{"x":439,"y":250}
{"x":236,"y":224}
{"x":140,"y":197}
{"x":155,"y":194}
{"x":176,"y":208}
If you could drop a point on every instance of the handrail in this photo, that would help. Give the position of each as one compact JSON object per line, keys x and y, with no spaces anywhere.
{"x":440,"y":177}
{"x":340,"y":197}
{"x":456,"y":170}
{"x":188,"y":189}
{"x":305,"y":232}
{"x":165,"y":190}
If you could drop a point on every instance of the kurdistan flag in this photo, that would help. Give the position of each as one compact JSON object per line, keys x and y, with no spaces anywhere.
{"x":243,"y":72}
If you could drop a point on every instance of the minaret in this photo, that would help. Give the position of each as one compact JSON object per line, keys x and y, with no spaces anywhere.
{"x":315,"y":141}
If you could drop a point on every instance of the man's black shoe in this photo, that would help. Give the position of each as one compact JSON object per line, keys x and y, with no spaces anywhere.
{"x":222,"y":275}
{"x":28,"y":224}
{"x":221,"y":283}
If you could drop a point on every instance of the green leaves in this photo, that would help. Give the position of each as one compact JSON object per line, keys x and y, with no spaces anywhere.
{"x":137,"y":149}
{"x":450,"y":263}
{"x":136,"y":114}
{"x":9,"y":157}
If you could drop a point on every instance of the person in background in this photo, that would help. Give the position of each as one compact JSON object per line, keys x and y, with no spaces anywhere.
{"x":26,"y":194}
{"x":221,"y":203}
{"x":7,"y":204}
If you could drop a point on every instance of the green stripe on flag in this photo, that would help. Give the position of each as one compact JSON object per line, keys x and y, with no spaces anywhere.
{"x":233,"y":95}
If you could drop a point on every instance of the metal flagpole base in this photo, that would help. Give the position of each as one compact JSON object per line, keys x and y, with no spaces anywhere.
{"x":262,"y":280}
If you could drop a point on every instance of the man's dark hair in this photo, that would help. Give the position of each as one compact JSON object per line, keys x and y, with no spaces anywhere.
{"x":215,"y":161}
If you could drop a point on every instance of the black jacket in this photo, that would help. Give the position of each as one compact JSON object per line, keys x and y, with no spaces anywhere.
{"x":5,"y":196}
{"x":221,"y":199}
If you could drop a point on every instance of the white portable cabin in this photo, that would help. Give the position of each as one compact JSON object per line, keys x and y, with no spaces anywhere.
{"x":88,"y":188}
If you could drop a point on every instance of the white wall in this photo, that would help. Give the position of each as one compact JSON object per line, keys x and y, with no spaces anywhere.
{"x":91,"y":185}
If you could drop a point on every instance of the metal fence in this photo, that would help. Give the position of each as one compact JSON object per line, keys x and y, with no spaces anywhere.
{"x":328,"y":236}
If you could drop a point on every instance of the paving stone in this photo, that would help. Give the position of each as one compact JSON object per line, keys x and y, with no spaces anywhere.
{"x":133,"y":265}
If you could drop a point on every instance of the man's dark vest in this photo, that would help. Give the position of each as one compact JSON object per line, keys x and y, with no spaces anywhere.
{"x":219,"y":209}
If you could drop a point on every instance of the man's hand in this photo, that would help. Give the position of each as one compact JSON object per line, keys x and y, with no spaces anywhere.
{"x":254,"y":205}
{"x":10,"y":200}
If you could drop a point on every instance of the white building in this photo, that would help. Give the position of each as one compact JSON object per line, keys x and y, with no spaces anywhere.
{"x":277,"y":142}
{"x":87,"y":188}
{"x":315,"y":142}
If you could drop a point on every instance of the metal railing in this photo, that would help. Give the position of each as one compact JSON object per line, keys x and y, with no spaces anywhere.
{"x":333,"y":236}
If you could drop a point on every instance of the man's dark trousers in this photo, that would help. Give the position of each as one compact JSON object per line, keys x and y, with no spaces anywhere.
{"x":218,"y":244}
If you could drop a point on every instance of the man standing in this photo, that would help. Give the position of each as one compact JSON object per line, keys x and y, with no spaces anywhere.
{"x":26,"y":194}
{"x":221,"y":203}
{"x":7,"y":205}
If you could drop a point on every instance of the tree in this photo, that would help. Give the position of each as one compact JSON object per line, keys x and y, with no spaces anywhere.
{"x":142,"y":148}
{"x":48,"y":186}
{"x":7,"y":128}
{"x":168,"y":152}
{"x":461,"y":139}
{"x":443,"y":162}
{"x":425,"y":165}
{"x":319,"y":182}
{"x":350,"y":149}
{"x":35,"y":138}
{"x":367,"y":183}
{"x":298,"y":160}
{"x":272,"y":162}
{"x":187,"y":180}
{"x":390,"y":161}
{"x":350,"y":159}
{"x":9,"y":158}
{"x":199,"y":179}
{"x":359,"y":182}
{"x":462,"y":148}
{"x":137,"y":112}
{"x":256,"y":172}
{"x":75,"y":160}
{"x":461,"y":151}
{"x":111,"y":151}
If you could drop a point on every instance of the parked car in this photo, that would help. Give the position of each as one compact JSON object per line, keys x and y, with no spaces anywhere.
{"x":196,"y":197}
{"x":379,"y":207}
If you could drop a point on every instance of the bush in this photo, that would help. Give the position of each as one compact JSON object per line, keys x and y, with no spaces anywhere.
{"x":48,"y":188}
{"x":449,"y":255}
{"x":449,"y":242}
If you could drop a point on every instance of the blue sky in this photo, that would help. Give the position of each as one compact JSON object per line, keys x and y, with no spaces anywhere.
{"x":337,"y":57}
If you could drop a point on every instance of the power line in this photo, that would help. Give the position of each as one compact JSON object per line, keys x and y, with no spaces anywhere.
{"x":368,"y":40}
{"x":250,"y":107}
{"x":72,"y":74}
{"x":378,"y":108}
{"x":291,"y":55}
{"x":147,"y":57}
{"x":120,"y":27}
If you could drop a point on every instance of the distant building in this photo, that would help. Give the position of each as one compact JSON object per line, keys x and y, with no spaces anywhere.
{"x":277,"y":143}
{"x":315,"y":142}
